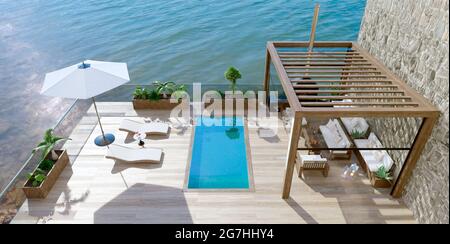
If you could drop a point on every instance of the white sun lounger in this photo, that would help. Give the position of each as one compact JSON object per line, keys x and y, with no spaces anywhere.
{"x":179,"y":122}
{"x":152,"y":128}
{"x":134,"y":155}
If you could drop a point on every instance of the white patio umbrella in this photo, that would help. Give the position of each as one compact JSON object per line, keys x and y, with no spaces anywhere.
{"x":86,"y":80}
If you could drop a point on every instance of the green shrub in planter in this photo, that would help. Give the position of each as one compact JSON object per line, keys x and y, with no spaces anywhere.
{"x":140,"y":93}
{"x":357,"y":134}
{"x":37,"y":177}
{"x":383,"y":174}
{"x":46,"y":165}
{"x":154,"y":95}
{"x":48,"y":143}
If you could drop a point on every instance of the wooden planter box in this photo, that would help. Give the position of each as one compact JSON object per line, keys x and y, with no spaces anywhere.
{"x":42,"y":191}
{"x":375,"y":181}
{"x":361,"y":162}
{"x":163,"y":104}
{"x":379,"y":183}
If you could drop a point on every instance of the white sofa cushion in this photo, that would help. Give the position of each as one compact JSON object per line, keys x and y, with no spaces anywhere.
{"x":334,"y":135}
{"x":355,"y":124}
{"x":330,"y":124}
{"x":378,"y":156}
{"x":374,"y":158}
{"x":374,"y":164}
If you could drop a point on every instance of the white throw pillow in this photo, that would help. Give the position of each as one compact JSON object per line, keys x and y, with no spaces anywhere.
{"x":358,"y":126}
{"x":351,"y":123}
{"x":378,"y":144}
{"x":337,"y":139}
{"x":387,"y":161}
{"x":330,"y":124}
{"x":373,"y":139}
{"x":379,"y":156}
{"x":342,"y":144}
{"x":304,"y":122}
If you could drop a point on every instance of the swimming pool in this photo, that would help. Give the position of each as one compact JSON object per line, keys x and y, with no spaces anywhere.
{"x":219,"y":158}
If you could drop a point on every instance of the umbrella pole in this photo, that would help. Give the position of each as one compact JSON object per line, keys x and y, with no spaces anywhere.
{"x":103,"y":140}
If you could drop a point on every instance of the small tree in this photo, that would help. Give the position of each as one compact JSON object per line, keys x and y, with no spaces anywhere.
{"x":232,"y":74}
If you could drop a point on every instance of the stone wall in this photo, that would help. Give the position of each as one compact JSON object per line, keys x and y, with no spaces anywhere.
{"x":411,"y":39}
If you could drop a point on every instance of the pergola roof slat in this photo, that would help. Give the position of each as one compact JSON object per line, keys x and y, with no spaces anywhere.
{"x":325,"y":61}
{"x":349,"y":67}
{"x":343,"y":86}
{"x":350,"y":52}
{"x":322,"y":59}
{"x":320,"y":56}
{"x":340,"y":98}
{"x":336,"y":71}
{"x":347,"y":91}
{"x":337,"y":76}
{"x":339,"y":104}
{"x":297,"y":81}
{"x":338,"y":64}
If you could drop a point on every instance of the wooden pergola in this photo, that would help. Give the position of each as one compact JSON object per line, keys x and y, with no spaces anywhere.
{"x":316,"y":79}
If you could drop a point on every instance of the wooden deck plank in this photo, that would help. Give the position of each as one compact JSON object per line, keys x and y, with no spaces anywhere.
{"x":99,"y":190}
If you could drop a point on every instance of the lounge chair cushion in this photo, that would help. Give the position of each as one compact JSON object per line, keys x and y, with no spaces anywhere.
{"x":134,"y":155}
{"x":133,"y":126}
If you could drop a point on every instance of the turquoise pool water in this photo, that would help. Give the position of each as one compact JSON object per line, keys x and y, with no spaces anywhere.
{"x":219,"y":155}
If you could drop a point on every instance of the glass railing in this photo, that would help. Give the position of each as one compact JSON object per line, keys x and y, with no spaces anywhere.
{"x":124,"y":92}
{"x":12,"y":196}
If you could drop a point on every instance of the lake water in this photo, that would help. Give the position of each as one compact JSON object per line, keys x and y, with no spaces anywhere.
{"x":182,"y":41}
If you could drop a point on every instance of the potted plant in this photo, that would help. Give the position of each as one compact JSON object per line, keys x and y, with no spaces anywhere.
{"x":381,"y":178}
{"x":159,"y":97}
{"x":52,"y":162}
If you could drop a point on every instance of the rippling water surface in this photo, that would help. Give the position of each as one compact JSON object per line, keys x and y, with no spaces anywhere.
{"x":183,"y":41}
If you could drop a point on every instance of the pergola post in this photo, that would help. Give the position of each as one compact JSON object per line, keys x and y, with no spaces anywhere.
{"x":267,"y":77}
{"x":419,"y":143}
{"x":291,"y":155}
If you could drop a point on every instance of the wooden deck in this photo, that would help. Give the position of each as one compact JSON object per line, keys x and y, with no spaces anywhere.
{"x":98,"y":190}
